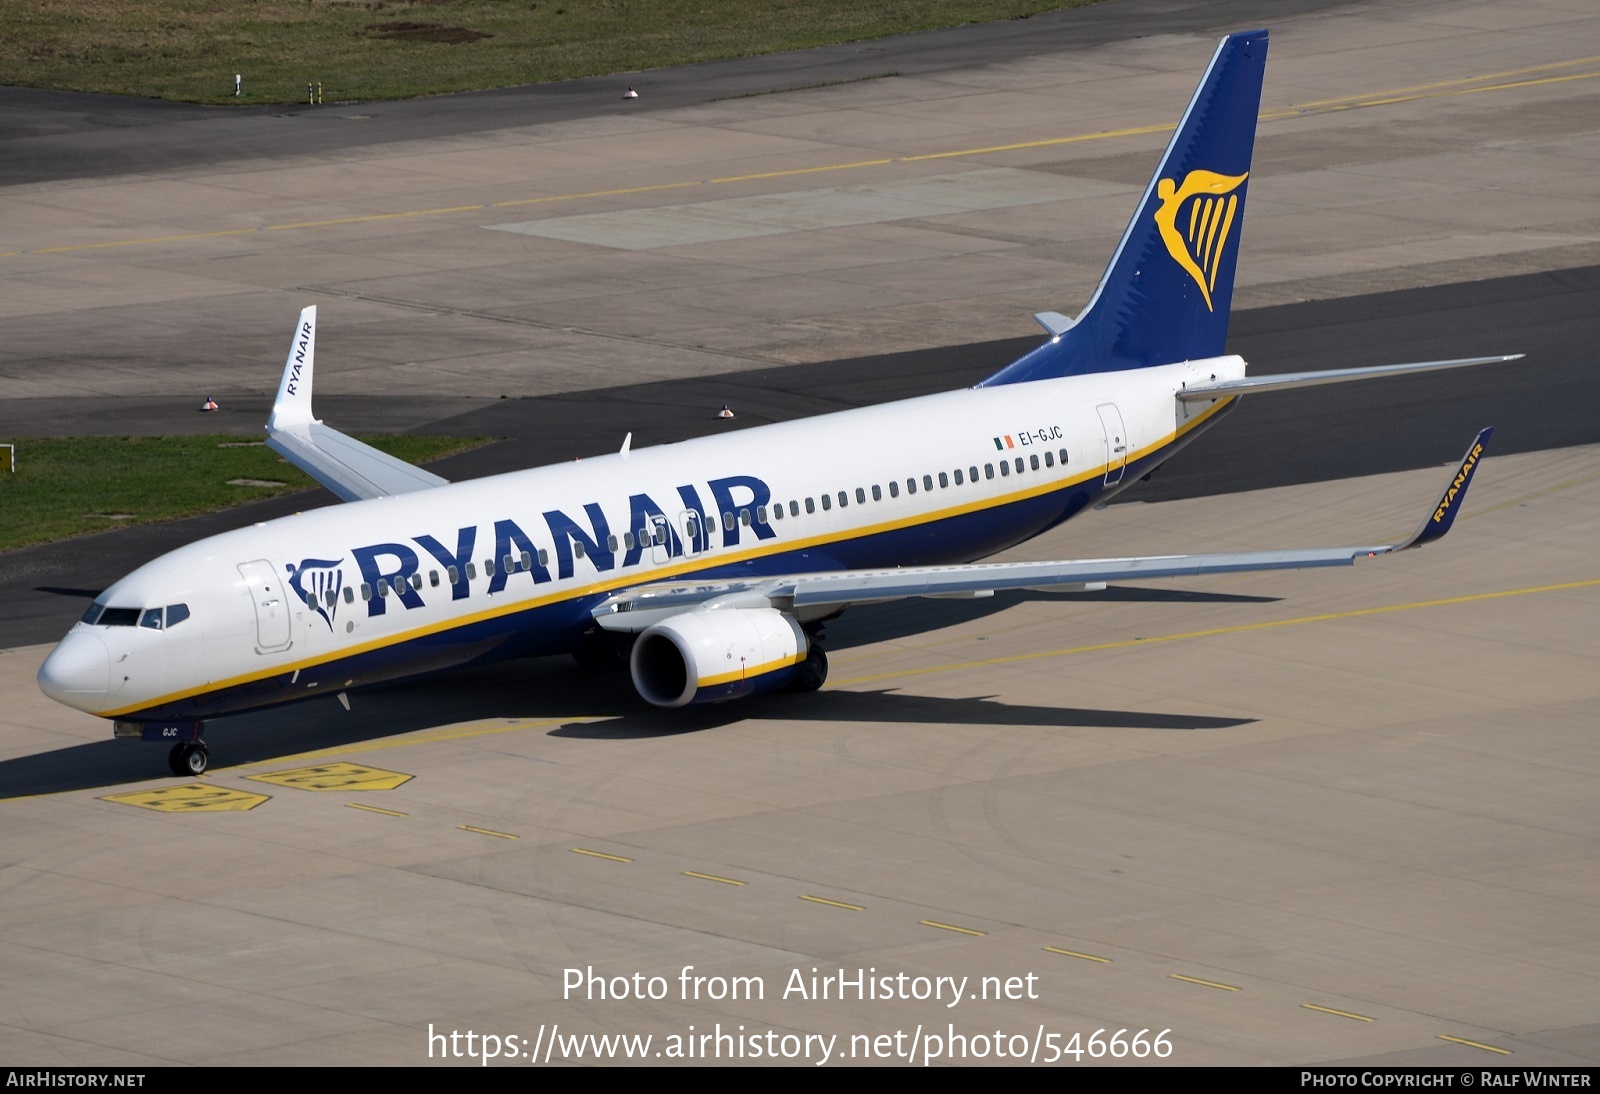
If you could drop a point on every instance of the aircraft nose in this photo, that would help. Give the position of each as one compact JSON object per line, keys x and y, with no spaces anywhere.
{"x":78,"y":672}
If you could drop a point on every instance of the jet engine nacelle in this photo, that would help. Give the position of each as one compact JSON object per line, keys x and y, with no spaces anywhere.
{"x":712,"y":656}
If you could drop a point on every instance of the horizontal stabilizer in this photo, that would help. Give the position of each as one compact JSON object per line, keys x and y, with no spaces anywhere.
{"x":352,"y":470}
{"x":1250,"y":385}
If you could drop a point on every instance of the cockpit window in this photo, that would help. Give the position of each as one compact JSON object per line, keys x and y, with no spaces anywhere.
{"x":151,"y":619}
{"x":93,"y":614}
{"x":119,"y":617}
{"x":177,"y":613}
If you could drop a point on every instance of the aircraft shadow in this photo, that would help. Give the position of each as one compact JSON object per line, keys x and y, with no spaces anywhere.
{"x":552,"y":688}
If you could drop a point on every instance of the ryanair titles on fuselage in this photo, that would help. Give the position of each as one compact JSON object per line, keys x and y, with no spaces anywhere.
{"x":554,"y":540}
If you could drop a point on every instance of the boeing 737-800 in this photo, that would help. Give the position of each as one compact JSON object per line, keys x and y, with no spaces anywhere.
{"x":712,"y":563}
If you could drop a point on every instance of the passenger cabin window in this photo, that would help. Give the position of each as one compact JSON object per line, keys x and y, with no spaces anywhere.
{"x":827,"y":503}
{"x":761,"y":513}
{"x":577,"y":550}
{"x":1033,"y":462}
{"x":744,"y":517}
{"x":958,"y":476}
{"x":988,"y":470}
{"x":844,"y":499}
{"x":944,"y":480}
{"x":366,"y":591}
{"x":383,"y":588}
{"x":927,"y":482}
{"x":416,"y":581}
{"x":544,"y":557}
{"x":794,"y":509}
{"x":349,"y":594}
{"x":877,"y":494}
{"x":861,"y":496}
{"x":1005,"y":469}
{"x":1063,"y":457}
{"x":452,"y":575}
{"x":810,"y":507}
{"x":472,"y":571}
{"x":488,"y":567}
{"x":433,"y":579}
{"x":1019,"y":465}
{"x":1049,"y":459}
{"x":894,"y":489}
{"x":527,"y":560}
{"x":972,"y":471}
{"x":777,"y":511}
{"x":911,"y":486}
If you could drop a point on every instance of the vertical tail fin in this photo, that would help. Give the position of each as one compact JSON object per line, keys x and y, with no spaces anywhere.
{"x":1166,"y":294}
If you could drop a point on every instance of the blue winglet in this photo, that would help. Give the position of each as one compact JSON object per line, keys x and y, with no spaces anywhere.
{"x":1166,"y":294}
{"x":1444,"y":513}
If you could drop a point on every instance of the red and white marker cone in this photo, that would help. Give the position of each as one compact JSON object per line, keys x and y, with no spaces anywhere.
{"x":724,"y":412}
{"x":209,"y":404}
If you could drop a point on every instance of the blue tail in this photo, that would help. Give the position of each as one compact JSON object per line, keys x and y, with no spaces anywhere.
{"x":1165,"y":297}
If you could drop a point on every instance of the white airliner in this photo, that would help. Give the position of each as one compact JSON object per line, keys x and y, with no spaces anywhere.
{"x":710,"y":564}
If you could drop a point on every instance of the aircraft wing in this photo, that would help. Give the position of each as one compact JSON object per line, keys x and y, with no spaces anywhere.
{"x":637,"y":609}
{"x":352,"y":470}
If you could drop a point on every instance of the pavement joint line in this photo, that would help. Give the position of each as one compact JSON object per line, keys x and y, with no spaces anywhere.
{"x":1075,"y":953}
{"x":1340,"y":1013}
{"x":1214,"y":632}
{"x":486,"y":832}
{"x":951,"y":927}
{"x":374,"y":809}
{"x":1474,"y":1044}
{"x":832,"y":903}
{"x":1203,"y":983}
{"x":598,"y":854}
{"x":711,"y":877}
{"x":1351,"y":102}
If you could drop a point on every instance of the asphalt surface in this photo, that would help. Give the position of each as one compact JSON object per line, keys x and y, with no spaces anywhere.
{"x":1545,"y":401}
{"x":59,"y":135}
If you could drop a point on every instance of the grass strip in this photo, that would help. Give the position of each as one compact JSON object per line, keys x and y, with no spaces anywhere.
{"x":71,"y":486}
{"x":190,"y":50}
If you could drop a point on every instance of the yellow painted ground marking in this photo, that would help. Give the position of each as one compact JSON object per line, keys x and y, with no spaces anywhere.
{"x":832,"y":903}
{"x":1202,"y":983}
{"x":192,"y":798}
{"x":1340,"y":1013}
{"x":599,"y":854}
{"x":1216,"y":631}
{"x":1439,"y":89}
{"x":487,"y":832}
{"x":1474,"y":1044}
{"x":1075,"y":953}
{"x":374,"y":809}
{"x":336,"y":776}
{"x":711,"y":877}
{"x":950,"y":927}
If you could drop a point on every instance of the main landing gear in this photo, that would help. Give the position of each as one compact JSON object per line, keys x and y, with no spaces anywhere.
{"x":189,"y":758}
{"x":813,"y":671}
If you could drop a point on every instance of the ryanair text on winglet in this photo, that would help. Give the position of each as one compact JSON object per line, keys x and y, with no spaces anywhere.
{"x":1461,"y":477}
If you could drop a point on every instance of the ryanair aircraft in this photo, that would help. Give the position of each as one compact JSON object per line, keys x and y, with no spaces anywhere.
{"x":710,"y":565}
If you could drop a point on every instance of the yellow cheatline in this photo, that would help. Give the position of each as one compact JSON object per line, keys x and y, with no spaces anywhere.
{"x":711,"y":877}
{"x":1350,"y":102}
{"x":1202,"y":983}
{"x":1215,"y":631}
{"x":951,"y":927}
{"x":1340,"y":1013}
{"x":487,"y":832}
{"x":1474,"y":1044}
{"x":832,"y":903}
{"x":510,"y":606}
{"x":374,"y":809}
{"x":598,"y":854}
{"x":1075,"y":953}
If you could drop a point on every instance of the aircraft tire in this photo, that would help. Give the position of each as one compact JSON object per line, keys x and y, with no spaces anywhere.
{"x":813,"y":671}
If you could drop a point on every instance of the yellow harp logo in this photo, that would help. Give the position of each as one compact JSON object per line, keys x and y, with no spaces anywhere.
{"x":1198,"y":246}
